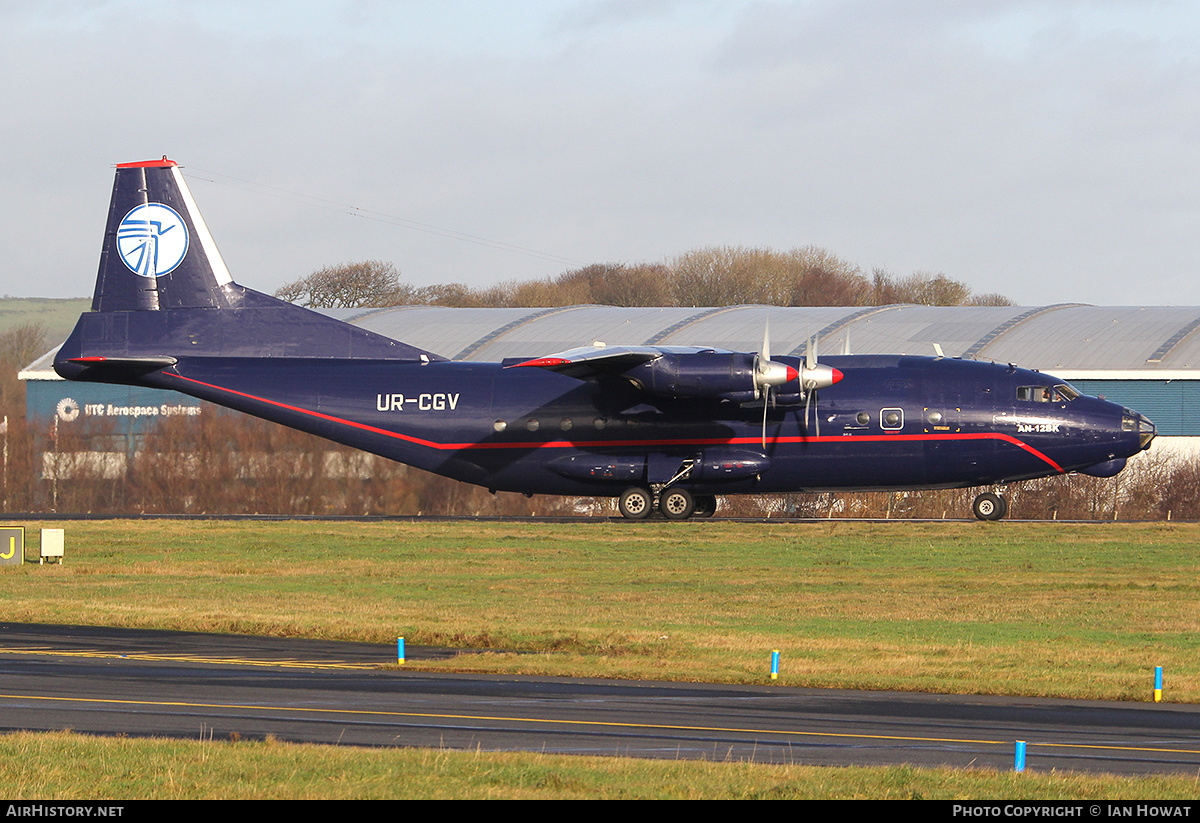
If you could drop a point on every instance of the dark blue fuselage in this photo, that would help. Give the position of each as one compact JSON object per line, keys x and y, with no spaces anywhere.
{"x":892,"y":422}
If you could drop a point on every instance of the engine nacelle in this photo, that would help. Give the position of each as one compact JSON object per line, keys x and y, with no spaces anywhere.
{"x":704,"y":374}
{"x":735,"y":376}
{"x":699,"y":373}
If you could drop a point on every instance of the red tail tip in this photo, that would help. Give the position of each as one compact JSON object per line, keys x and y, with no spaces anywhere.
{"x":149,"y":164}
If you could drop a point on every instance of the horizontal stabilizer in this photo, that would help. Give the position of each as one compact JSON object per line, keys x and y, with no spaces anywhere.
{"x":110,"y":369}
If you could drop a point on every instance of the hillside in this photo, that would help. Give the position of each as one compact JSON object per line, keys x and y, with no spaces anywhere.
{"x":58,"y":315}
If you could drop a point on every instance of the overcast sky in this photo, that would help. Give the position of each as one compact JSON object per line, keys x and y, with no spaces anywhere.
{"x":1048,"y":151}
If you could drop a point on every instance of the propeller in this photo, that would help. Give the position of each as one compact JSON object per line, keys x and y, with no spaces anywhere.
{"x":769,"y":373}
{"x":814,"y":376}
{"x":811,"y":376}
{"x":810,"y":364}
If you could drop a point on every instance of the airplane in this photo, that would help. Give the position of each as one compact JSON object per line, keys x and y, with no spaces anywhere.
{"x":663,"y":429}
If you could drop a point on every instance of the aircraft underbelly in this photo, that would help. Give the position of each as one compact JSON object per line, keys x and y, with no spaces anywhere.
{"x":847,"y":463}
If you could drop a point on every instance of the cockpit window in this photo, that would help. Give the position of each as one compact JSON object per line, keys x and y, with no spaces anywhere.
{"x":1061,"y":393}
{"x":1069,"y":393}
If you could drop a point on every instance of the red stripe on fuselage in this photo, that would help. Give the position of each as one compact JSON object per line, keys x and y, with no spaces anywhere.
{"x":562,"y":444}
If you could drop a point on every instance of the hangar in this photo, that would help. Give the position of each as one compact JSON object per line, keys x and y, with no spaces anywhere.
{"x":1144,"y":357}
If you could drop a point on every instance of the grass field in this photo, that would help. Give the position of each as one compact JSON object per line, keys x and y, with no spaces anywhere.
{"x":49,"y":767}
{"x":1079,"y":611}
{"x":1082,"y":611}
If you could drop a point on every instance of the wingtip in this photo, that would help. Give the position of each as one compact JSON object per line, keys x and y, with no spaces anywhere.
{"x":542,"y":362}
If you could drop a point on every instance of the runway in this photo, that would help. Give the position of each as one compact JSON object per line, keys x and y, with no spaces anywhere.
{"x":178,"y":684}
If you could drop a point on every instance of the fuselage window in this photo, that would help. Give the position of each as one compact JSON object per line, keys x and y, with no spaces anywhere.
{"x":891,"y":418}
{"x":532,"y":425}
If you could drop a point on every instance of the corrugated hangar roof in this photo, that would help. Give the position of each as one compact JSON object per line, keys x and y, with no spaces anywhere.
{"x":1066,"y":339}
{"x":1063,"y":337}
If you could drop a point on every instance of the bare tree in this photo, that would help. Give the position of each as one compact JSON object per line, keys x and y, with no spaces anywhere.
{"x":820,"y":278}
{"x":20,"y":344}
{"x":989,"y":299}
{"x":924,"y":288}
{"x":616,"y":284}
{"x":728,"y":276}
{"x":806,"y":276}
{"x":370,"y":283}
{"x":18,"y":347}
{"x":711,"y":276}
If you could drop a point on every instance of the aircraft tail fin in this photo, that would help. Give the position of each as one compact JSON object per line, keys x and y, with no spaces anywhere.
{"x":158,"y":253}
{"x":160,"y":278}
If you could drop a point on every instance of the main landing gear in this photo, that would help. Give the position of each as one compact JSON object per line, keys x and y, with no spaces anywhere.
{"x":990,"y":506}
{"x":676,"y":504}
{"x":673,"y":503}
{"x":635,"y":503}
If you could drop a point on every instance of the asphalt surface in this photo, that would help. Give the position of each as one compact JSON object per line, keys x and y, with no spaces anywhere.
{"x":191,"y":685}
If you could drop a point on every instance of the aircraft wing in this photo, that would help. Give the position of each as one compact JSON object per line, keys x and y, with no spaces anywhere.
{"x":691,"y":371}
{"x":590,"y":362}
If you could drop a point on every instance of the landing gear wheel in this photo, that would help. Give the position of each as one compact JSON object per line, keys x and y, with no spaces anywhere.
{"x":989,"y":506}
{"x":676,"y":504}
{"x":706,"y":505}
{"x":635,"y":503}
